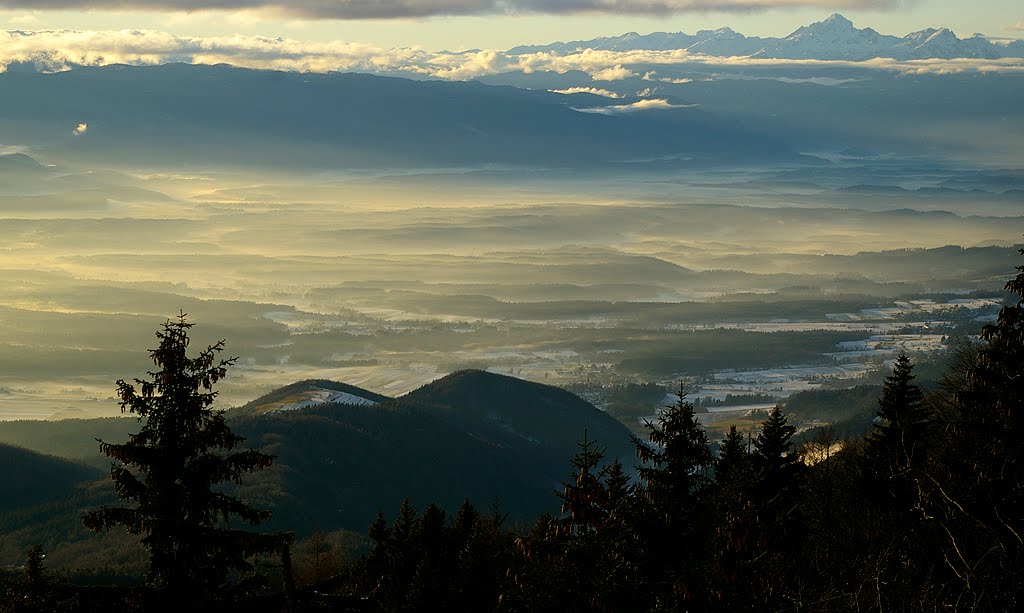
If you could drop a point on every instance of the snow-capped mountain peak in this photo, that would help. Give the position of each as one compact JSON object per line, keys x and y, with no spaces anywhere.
{"x":835,"y":21}
{"x":833,"y":38}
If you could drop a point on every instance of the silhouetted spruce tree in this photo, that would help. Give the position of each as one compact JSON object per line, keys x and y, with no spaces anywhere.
{"x":474,"y":575}
{"x":171,"y":468}
{"x":893,"y":456}
{"x":584,"y":503}
{"x":735,"y":531}
{"x":773,"y":447}
{"x":777,"y":468}
{"x":896,"y":446}
{"x":733,"y":466}
{"x":564,"y":554}
{"x":380,"y":534}
{"x":618,"y":487}
{"x":600,"y":552}
{"x":677,"y":468}
{"x":673,"y":514}
{"x":776,"y":497}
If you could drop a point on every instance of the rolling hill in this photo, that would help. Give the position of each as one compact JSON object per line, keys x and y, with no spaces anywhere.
{"x":342,"y":454}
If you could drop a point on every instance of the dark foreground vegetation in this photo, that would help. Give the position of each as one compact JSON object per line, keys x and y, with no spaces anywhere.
{"x":923,"y":513}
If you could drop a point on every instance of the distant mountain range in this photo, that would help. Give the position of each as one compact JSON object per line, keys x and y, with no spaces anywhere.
{"x":191,"y":114}
{"x":651,"y":114}
{"x":835,"y":38}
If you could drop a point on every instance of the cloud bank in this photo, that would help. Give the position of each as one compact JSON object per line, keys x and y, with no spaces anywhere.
{"x":389,"y":9}
{"x":586,"y":90}
{"x":640,"y":105}
{"x":63,"y":49}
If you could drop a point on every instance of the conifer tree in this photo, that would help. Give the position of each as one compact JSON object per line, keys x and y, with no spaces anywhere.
{"x":975,"y":488}
{"x":584,"y":499}
{"x":903,"y":417}
{"x":672,"y":522}
{"x":379,"y":533}
{"x":733,"y":465}
{"x":735,"y":531}
{"x":618,"y":488}
{"x":895,"y":450}
{"x":773,"y":447}
{"x":678,"y":465}
{"x":776,"y":463}
{"x":775,"y":499}
{"x":171,"y":468}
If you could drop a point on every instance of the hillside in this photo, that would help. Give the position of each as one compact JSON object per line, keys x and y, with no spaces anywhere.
{"x":471,"y":434}
{"x":544,"y":414}
{"x":309,"y":393}
{"x":31,"y":478}
{"x":491,"y":438}
{"x":71,"y":439}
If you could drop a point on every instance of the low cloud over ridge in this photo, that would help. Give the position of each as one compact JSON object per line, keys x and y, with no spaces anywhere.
{"x":388,"y":9}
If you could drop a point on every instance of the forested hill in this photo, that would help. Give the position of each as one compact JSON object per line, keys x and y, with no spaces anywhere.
{"x":31,"y":478}
{"x":548,"y":415}
{"x":472,"y":434}
{"x":343,"y":452}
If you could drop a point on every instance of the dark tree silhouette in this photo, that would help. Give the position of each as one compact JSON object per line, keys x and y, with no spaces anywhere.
{"x":171,"y":468}
{"x":734,"y":464}
{"x":773,"y":447}
{"x":673,"y":517}
{"x":584,"y":499}
{"x":902,"y":412}
{"x":895,"y":451}
{"x":678,"y":467}
{"x":975,"y":488}
{"x":777,"y":469}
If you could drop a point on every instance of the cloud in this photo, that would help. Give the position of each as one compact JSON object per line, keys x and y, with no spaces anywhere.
{"x":386,"y":9}
{"x":1017,"y":26}
{"x":640,"y":105}
{"x":81,"y":129}
{"x":55,"y":50}
{"x":614,"y":73}
{"x":597,"y":91}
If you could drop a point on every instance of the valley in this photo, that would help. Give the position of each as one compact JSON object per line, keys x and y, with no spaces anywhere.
{"x":391,"y":282}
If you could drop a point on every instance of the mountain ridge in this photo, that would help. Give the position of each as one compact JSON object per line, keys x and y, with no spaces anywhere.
{"x":834,"y":38}
{"x":241,"y":117}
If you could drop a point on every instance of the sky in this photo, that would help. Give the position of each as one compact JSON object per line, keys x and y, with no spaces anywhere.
{"x":499,"y":24}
